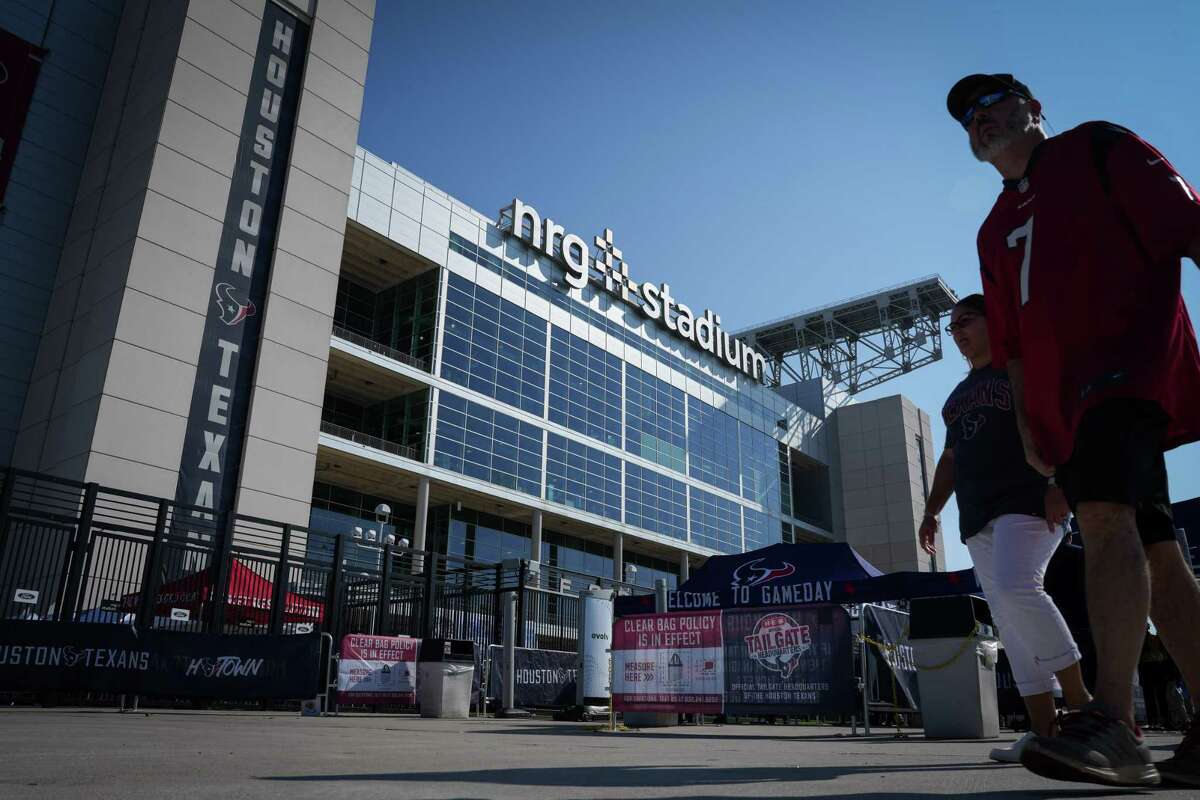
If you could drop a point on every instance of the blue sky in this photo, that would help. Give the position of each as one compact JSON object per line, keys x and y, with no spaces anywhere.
{"x":765,"y":158}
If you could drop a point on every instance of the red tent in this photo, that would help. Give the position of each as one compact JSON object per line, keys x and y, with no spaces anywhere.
{"x":249,"y":598}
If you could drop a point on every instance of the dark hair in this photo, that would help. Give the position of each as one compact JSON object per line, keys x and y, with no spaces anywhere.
{"x":973,"y":302}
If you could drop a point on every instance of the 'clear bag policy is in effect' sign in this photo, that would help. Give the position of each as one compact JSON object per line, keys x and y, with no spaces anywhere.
{"x":378,"y":669}
{"x":786,"y":660}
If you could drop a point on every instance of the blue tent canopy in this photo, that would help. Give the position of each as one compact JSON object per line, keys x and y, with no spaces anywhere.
{"x":800,"y":574}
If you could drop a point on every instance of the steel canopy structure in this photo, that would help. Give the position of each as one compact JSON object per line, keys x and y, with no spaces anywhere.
{"x":858,"y":343}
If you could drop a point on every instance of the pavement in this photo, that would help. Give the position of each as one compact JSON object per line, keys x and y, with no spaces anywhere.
{"x":97,"y":754}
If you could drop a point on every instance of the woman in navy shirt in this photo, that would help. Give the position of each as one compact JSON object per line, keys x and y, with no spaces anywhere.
{"x":1010,"y":518}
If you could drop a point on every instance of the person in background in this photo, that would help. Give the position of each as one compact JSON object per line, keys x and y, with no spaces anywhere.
{"x":1011,"y":520}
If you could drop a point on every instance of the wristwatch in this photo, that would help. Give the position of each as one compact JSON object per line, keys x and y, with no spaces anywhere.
{"x":1051,"y":482}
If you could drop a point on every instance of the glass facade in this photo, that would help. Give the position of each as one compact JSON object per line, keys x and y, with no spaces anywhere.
{"x":654,"y":422}
{"x":589,"y":405}
{"x":655,"y":502}
{"x":494,"y":347}
{"x":585,"y":387}
{"x":482,"y":443}
{"x":582,"y":477}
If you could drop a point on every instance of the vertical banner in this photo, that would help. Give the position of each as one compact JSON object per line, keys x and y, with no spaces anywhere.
{"x":19,"y":65}
{"x":668,"y":663}
{"x":792,"y":660}
{"x":378,"y":669}
{"x":212,"y":445}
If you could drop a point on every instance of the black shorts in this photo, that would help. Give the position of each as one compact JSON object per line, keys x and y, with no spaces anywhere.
{"x":1118,"y":458}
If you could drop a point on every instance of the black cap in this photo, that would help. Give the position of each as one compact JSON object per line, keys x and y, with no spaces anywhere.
{"x":973,"y":85}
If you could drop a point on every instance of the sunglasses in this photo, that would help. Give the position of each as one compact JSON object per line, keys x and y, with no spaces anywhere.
{"x":963,"y":322}
{"x":984,"y":101}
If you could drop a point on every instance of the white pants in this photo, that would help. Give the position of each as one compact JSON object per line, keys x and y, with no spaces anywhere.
{"x":1010,"y":556}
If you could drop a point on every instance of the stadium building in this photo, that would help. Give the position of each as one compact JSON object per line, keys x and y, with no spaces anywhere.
{"x":212,"y":294}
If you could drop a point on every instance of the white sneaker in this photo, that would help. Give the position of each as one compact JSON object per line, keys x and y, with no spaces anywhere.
{"x":1011,"y":754}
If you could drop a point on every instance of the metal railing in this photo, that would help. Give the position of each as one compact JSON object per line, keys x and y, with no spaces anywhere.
{"x":72,"y":551}
{"x":358,"y":437}
{"x":383,"y":349}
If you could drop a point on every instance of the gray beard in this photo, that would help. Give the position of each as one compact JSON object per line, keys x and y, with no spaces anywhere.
{"x":1016,"y":125}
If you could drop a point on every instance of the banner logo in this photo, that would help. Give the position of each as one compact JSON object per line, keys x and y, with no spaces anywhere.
{"x":753,"y":574}
{"x":224,"y":667}
{"x":778,"y":642}
{"x":232,"y":308}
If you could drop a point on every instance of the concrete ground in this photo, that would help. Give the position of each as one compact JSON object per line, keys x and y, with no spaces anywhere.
{"x":97,"y":754}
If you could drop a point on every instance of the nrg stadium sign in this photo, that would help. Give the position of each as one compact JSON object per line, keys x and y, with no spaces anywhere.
{"x":612,"y":272}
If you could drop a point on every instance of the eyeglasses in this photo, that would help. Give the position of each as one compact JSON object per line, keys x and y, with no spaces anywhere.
{"x":985,"y":101}
{"x":963,"y":322}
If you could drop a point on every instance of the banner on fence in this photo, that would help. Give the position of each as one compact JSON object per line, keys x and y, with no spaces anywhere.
{"x":71,"y":656}
{"x":790,"y":660}
{"x":378,"y":669}
{"x":542,"y":678}
{"x":668,"y":662}
{"x":889,"y":628}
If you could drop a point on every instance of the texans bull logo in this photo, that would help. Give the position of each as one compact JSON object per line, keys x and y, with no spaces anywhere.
{"x":752,"y":573}
{"x":233,"y":309}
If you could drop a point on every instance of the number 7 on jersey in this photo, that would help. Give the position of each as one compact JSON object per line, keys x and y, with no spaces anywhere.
{"x":1024,"y":232}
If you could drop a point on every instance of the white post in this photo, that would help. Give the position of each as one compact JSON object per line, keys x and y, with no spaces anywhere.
{"x":685,"y":567}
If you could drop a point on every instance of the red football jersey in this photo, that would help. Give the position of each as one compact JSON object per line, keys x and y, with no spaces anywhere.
{"x":1080,"y":261}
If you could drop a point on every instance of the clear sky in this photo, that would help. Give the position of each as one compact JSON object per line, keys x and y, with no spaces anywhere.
{"x":766,"y":158}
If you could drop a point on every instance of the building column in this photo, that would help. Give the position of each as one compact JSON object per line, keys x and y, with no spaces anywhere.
{"x":420,"y":522}
{"x":619,"y":557}
{"x":685,"y":568}
{"x":535,"y":537}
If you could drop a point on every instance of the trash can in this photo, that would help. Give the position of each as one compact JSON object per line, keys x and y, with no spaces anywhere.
{"x":955,"y":650}
{"x":445,"y":672}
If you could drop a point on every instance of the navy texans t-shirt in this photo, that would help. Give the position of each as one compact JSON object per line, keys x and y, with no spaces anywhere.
{"x":991,"y":476}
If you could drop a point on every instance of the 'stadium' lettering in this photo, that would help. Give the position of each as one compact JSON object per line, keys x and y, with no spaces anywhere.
{"x":655,"y":302}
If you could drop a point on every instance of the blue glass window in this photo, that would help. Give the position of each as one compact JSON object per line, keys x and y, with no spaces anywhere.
{"x":655,"y":502}
{"x":493,"y":346}
{"x":474,"y":440}
{"x":583,"y":477}
{"x":761,"y":529}
{"x":716,"y":521}
{"x":759,"y":467}
{"x":585,"y":387}
{"x":712,"y":446}
{"x":654,"y":419}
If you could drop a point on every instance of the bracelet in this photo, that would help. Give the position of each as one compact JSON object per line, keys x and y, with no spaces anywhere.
{"x":929,"y":515}
{"x":1051,"y":482}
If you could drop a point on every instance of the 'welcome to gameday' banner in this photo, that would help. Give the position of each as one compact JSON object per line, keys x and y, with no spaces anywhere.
{"x":790,"y":660}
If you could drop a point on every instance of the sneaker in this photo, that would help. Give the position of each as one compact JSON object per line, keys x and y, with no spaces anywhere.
{"x":1092,"y":748}
{"x":1011,"y":754}
{"x":1183,"y":768}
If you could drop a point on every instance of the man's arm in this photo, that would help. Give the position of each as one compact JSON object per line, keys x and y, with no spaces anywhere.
{"x":1016,"y":376}
{"x":939,"y":495}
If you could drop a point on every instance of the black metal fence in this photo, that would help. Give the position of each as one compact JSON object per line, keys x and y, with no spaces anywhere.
{"x":71,"y":551}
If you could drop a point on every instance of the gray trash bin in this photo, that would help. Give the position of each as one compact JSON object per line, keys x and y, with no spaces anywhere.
{"x":955,"y":650}
{"x":445,"y":673}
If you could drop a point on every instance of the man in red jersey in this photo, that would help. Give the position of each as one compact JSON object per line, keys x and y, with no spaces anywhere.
{"x":1080,"y":259}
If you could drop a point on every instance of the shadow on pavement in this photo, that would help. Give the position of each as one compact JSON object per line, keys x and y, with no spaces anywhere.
{"x":790,"y":733}
{"x":640,"y":776}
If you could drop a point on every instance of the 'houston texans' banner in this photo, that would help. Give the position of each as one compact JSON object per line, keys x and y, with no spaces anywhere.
{"x":542,"y":678}
{"x":78,"y":656}
{"x":789,"y":660}
{"x":212,"y":444}
{"x":19,"y":64}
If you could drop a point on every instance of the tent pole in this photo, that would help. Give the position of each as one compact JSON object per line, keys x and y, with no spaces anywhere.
{"x":866,"y":674}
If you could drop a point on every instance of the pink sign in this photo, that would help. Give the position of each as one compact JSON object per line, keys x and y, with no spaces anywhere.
{"x":668,"y":663}
{"x":378,"y":669}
